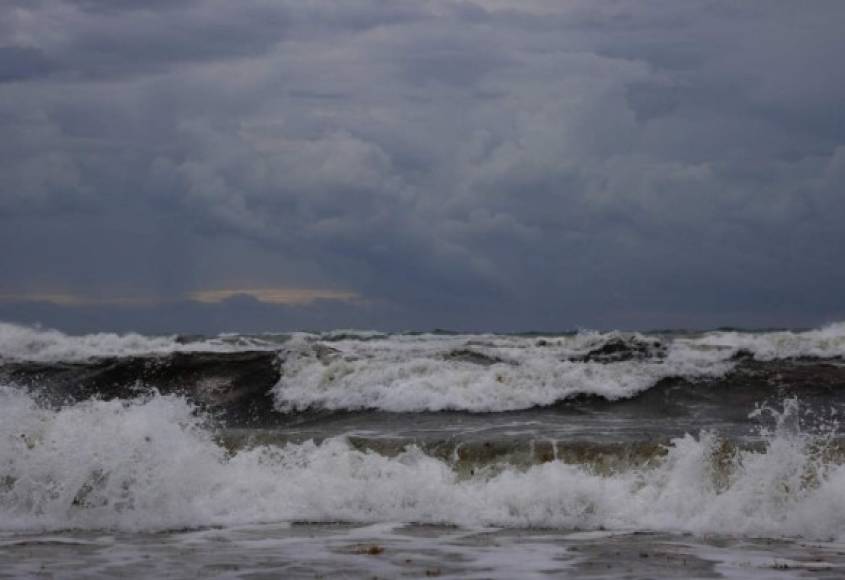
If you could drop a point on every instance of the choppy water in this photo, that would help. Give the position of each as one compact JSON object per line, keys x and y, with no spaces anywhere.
{"x":599,"y":454}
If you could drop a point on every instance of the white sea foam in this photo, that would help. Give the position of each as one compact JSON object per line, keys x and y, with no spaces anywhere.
{"x":25,"y":343}
{"x":825,"y":342}
{"x":412,"y":374}
{"x":151,"y":464}
{"x":45,"y":345}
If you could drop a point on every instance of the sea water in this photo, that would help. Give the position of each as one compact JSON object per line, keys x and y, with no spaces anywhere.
{"x":409,"y":455}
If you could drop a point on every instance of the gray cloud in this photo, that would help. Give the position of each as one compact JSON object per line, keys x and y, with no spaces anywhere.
{"x":20,"y":63}
{"x":486,"y":164}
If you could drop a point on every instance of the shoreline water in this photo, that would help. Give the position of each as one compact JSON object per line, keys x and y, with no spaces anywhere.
{"x":391,"y":550}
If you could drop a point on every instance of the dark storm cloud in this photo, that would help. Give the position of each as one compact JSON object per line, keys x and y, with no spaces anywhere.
{"x":20,"y":63}
{"x":489,"y":164}
{"x":105,"y":39}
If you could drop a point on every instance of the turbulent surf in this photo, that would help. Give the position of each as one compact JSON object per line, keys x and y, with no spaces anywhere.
{"x":715,"y":434}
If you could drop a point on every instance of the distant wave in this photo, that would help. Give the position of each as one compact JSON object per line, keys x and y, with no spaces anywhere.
{"x":472,"y":374}
{"x":24,"y":343}
{"x":348,"y":371}
{"x":500,"y":373}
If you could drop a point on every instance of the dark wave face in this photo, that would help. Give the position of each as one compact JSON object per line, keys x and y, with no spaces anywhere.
{"x":720,"y":432}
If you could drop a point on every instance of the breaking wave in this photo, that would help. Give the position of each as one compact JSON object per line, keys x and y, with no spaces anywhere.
{"x":354,"y":370}
{"x":489,"y":373}
{"x":427,"y":376}
{"x":25,"y":343}
{"x":153,"y":463}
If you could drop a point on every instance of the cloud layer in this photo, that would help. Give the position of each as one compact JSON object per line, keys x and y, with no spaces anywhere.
{"x":489,"y":164}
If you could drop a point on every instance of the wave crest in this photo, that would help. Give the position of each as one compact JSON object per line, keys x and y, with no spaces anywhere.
{"x":153,"y":464}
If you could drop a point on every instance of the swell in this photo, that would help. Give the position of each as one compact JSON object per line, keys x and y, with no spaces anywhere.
{"x":242,"y":387}
{"x":237,"y":385}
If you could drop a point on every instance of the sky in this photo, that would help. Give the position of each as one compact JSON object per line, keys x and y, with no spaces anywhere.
{"x":509,"y":165}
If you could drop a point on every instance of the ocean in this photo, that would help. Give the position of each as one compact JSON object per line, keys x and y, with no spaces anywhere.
{"x":364,"y":454}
